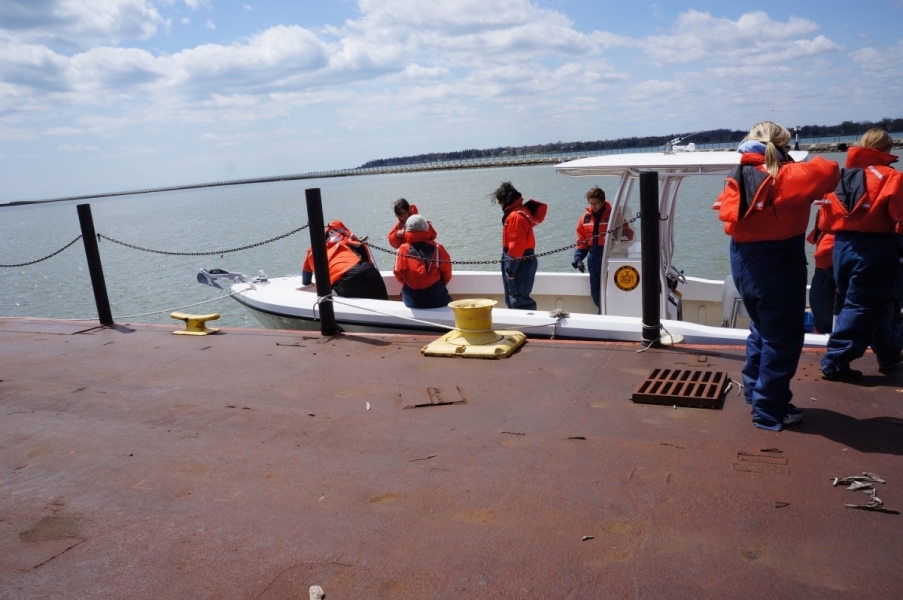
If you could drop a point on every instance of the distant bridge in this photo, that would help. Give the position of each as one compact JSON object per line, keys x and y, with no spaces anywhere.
{"x":492,"y":162}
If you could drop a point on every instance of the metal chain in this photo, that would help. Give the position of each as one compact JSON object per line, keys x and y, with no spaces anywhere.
{"x":46,"y":257}
{"x":506,"y":260}
{"x":132,"y":246}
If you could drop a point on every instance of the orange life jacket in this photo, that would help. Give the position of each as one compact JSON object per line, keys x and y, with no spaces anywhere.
{"x":869,"y":197}
{"x":417,"y":263}
{"x":587,"y":223}
{"x":755,"y":207}
{"x":340,"y":257}
{"x":336,"y":231}
{"x":517,"y":226}
{"x":823,"y":242}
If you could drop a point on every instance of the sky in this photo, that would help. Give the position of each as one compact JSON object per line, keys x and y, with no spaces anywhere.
{"x":107,"y":95}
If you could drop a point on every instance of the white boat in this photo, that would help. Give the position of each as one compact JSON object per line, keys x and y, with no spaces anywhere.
{"x":701,"y":311}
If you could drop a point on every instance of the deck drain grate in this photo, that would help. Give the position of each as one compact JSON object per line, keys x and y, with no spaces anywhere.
{"x":682,"y":387}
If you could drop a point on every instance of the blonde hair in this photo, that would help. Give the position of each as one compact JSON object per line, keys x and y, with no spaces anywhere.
{"x":877,"y":139}
{"x":774,"y":136}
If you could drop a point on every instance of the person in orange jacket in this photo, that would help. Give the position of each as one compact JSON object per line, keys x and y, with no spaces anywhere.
{"x":863,"y":213}
{"x":422,"y":266}
{"x":351,"y":274}
{"x":765,"y":207}
{"x":403,"y":210}
{"x":518,"y":244}
{"x":591,"y":233}
{"x":337,"y":228}
{"x":823,"y":290}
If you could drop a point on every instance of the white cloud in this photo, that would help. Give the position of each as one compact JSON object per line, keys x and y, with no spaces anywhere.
{"x":209,"y":24}
{"x":185,"y":20}
{"x":196,"y":4}
{"x":886,"y":62}
{"x":62,"y":131}
{"x":415,"y":71}
{"x":246,"y":7}
{"x":78,"y":23}
{"x":469,"y":65}
{"x":77,"y":148}
{"x":753,"y":38}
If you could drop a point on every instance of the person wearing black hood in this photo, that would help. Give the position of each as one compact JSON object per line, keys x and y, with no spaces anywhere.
{"x":518,"y":244}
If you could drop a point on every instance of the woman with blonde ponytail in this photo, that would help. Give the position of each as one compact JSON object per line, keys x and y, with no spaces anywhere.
{"x":765,"y":207}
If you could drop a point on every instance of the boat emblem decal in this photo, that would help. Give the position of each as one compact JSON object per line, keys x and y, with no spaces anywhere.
{"x":627,"y":278}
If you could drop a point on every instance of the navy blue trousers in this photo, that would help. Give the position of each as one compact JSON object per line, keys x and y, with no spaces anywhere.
{"x":434,"y":296}
{"x":898,"y":289}
{"x":866,"y":268}
{"x":822,"y":295}
{"x":771,"y":278}
{"x":594,"y":266}
{"x":517,"y":290}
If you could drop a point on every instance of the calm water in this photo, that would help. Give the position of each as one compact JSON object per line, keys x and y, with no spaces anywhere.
{"x":211,"y":219}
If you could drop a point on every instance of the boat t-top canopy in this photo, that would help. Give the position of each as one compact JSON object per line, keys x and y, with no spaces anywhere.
{"x":683,"y":163}
{"x":673,"y":167}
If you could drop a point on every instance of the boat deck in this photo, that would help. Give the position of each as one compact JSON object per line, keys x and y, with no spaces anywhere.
{"x":139,"y":464}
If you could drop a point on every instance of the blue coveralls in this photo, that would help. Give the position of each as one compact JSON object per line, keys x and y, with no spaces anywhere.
{"x":593,"y":257}
{"x":771,"y":278}
{"x":866,"y":267}
{"x":898,"y":288}
{"x":518,"y":289}
{"x":435,"y":296}
{"x":822,"y":296}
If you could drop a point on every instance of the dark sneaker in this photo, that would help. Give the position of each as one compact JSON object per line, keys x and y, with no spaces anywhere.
{"x":792,"y":410}
{"x":844,"y":374}
{"x":793,"y":418}
{"x":893,"y":365}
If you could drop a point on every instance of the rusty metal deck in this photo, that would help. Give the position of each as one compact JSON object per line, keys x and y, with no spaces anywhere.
{"x":139,"y":464}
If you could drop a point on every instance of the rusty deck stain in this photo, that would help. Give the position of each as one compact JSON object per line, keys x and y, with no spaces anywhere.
{"x":253,"y":469}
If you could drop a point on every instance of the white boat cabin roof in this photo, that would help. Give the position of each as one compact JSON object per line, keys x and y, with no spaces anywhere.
{"x":682,"y":163}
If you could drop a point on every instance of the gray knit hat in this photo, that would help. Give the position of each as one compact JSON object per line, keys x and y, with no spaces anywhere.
{"x":416,"y":223}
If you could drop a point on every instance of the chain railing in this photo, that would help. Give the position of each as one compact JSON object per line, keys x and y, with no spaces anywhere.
{"x":249,"y":246}
{"x":303,"y":227}
{"x":504,"y":260}
{"x":34,"y":262}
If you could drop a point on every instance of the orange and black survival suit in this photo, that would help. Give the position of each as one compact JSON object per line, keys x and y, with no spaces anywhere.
{"x":823,"y":290}
{"x":518,"y":245}
{"x":767,"y":217}
{"x":862,"y":213}
{"x":351,"y":270}
{"x":592,"y":230}
{"x":422,"y":266}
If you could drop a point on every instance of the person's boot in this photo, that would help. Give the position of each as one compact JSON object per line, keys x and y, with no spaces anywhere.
{"x":841,"y":374}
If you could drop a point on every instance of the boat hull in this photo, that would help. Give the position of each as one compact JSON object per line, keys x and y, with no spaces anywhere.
{"x":283,"y":303}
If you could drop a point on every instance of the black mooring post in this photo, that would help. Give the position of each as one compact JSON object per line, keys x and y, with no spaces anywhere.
{"x":321,"y":262}
{"x":89,"y":237}
{"x":651,"y":255}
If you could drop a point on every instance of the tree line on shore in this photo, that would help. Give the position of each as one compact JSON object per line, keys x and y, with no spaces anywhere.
{"x":713,"y":136}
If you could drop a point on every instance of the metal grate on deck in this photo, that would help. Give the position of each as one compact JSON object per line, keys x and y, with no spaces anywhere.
{"x":682,"y":387}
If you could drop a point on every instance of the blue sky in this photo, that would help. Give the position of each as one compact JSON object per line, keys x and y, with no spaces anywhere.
{"x":102,"y":95}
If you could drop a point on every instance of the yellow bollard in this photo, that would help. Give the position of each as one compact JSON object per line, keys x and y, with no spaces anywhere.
{"x":474,"y":336}
{"x":473,"y":318}
{"x":195,"y":324}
